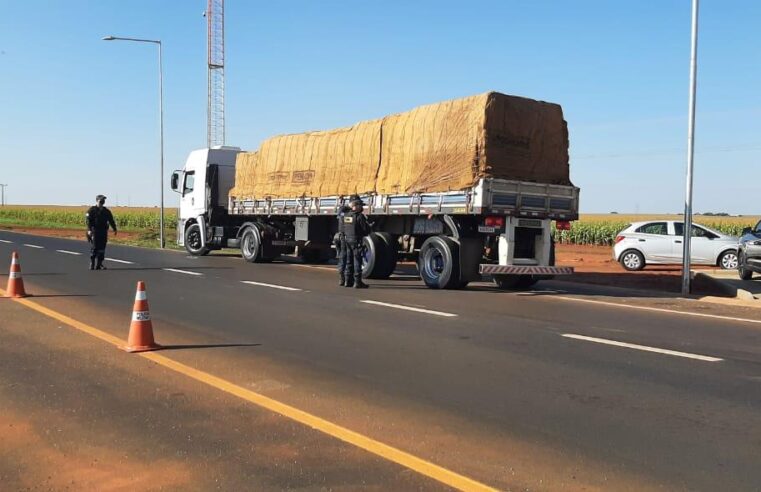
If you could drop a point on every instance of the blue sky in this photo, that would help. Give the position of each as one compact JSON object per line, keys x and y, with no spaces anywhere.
{"x":79,"y":116}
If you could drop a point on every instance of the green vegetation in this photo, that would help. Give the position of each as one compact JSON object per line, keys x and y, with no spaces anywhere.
{"x":594,"y":231}
{"x":137,"y":226}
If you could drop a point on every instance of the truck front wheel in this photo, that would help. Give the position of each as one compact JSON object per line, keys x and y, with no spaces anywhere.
{"x":439,"y":263}
{"x":193,"y":241}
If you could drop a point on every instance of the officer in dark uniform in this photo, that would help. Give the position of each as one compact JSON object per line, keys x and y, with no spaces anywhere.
{"x":99,"y":218}
{"x":355,"y":228}
{"x":340,"y":243}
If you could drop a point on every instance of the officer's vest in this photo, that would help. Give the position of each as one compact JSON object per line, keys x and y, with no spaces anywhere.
{"x":350,"y":227}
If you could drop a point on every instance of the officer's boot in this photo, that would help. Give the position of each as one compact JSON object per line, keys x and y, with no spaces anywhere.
{"x":92,"y":263}
{"x":359,"y":284}
{"x":341,"y":280}
{"x":348,"y":281}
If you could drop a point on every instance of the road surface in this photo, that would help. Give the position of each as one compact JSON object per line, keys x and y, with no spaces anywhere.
{"x":564,"y":387}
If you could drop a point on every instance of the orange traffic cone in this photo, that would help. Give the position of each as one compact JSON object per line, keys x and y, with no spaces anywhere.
{"x":15,"y":282}
{"x":141,"y":329}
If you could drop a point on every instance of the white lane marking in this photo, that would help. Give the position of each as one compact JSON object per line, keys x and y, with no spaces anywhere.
{"x":645,"y":348}
{"x":67,"y":252}
{"x":273,"y":286}
{"x":181,"y":271}
{"x":410,"y":308}
{"x":314,"y":267}
{"x":6,"y":241}
{"x":120,"y":261}
{"x":660,"y":310}
{"x":34,"y":246}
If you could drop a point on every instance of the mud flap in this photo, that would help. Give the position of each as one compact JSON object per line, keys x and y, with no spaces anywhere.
{"x":471,"y":254}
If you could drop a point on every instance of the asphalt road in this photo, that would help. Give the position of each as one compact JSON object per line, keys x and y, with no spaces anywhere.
{"x":515,"y":390}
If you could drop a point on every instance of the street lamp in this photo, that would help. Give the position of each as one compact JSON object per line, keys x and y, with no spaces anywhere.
{"x":161,"y":118}
{"x":686,"y":245}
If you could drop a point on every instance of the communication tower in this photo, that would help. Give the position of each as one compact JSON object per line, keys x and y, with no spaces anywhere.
{"x":215,"y":18}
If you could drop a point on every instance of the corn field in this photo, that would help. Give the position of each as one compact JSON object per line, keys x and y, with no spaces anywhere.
{"x":127,"y":218}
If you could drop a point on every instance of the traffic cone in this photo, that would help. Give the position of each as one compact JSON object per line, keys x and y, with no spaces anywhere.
{"x":141,"y":329}
{"x":15,"y":282}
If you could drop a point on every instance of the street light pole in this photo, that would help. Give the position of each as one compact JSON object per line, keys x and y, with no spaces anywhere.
{"x":687,"y":238}
{"x":161,"y":120}
{"x":2,"y":198}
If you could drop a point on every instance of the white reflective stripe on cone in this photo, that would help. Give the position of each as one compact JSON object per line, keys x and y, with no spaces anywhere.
{"x":14,"y":261}
{"x":141,"y":316}
{"x":140,"y":295}
{"x":15,"y":275}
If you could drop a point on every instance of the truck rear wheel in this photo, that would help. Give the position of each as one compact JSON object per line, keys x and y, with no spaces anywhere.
{"x":193,"y":241}
{"x":251,"y":246}
{"x":439,"y":263}
{"x":380,"y":256}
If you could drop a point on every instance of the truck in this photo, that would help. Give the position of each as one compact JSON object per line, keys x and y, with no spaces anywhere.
{"x":467,"y":191}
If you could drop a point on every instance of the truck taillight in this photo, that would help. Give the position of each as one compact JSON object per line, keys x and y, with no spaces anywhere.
{"x":563,"y":225}
{"x":619,"y":239}
{"x":493,"y":221}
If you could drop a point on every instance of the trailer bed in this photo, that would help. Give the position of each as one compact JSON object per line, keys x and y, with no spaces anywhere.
{"x":489,"y":196}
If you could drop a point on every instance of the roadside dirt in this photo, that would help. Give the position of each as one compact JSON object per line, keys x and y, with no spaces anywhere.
{"x":595,"y":265}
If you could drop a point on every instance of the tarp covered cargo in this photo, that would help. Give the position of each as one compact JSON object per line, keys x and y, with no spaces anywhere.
{"x":439,"y":147}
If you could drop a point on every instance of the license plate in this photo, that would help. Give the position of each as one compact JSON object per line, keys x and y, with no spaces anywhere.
{"x":488,"y":229}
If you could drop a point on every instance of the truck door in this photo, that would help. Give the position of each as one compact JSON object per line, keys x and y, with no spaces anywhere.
{"x":193,"y":199}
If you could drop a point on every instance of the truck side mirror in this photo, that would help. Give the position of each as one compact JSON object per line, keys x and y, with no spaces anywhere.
{"x":175,"y":181}
{"x":747,"y":230}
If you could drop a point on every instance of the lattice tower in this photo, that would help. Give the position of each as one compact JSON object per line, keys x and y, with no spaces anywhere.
{"x":215,"y":18}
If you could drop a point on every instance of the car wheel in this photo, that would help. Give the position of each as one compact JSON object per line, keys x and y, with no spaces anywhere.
{"x":728,"y":260}
{"x":742,"y":270}
{"x":632,"y":260}
{"x":193,"y":241}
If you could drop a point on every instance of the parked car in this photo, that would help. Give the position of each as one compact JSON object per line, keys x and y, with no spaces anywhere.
{"x":749,"y":252}
{"x":659,"y":242}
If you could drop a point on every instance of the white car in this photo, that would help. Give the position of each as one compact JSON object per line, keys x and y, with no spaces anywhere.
{"x":659,"y":242}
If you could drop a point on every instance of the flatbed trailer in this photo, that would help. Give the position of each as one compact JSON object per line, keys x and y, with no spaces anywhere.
{"x":498,"y":229}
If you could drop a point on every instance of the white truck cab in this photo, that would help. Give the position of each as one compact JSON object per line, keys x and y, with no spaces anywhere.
{"x":203,"y":184}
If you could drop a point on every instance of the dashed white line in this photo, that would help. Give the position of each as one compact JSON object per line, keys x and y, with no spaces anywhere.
{"x":660,"y":310}
{"x":181,"y":271}
{"x":68,"y":252}
{"x":410,"y":308}
{"x":6,"y":241}
{"x":115,"y":260}
{"x":645,"y":348}
{"x":34,"y":246}
{"x":272,"y":286}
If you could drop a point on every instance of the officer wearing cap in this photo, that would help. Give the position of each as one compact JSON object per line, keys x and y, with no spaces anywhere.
{"x":355,"y":228}
{"x":99,"y":218}
{"x":340,"y":243}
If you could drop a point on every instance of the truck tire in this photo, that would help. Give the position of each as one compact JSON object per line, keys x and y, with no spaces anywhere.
{"x":251,"y":246}
{"x":439,"y":263}
{"x":380,"y":256}
{"x":193,"y":241}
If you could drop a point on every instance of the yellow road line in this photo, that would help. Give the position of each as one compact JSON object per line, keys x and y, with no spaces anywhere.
{"x":377,"y":448}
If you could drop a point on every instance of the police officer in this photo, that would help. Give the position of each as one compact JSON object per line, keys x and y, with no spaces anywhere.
{"x":98,"y":220}
{"x":355,"y":229}
{"x":340,"y":243}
